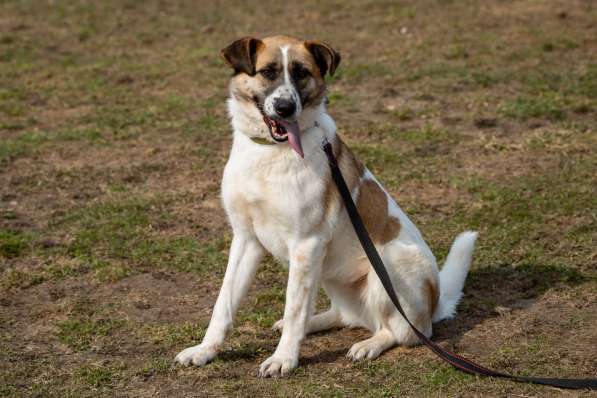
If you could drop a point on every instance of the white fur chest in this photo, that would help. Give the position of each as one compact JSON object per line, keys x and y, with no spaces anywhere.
{"x":271,"y":192}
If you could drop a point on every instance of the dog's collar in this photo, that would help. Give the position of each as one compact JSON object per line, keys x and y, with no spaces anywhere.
{"x":262,"y":141}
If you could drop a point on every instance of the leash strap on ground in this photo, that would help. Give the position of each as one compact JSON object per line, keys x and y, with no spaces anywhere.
{"x":457,"y":361}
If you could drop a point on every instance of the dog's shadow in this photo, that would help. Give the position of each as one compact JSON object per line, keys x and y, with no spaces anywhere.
{"x":492,"y":291}
{"x":325,"y":356}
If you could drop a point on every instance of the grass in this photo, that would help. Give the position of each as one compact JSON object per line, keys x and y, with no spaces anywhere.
{"x":79,"y":334}
{"x":110,"y":233}
{"x":56,"y":270}
{"x":185,"y":333}
{"x":13,"y":243}
{"x":113,"y":240}
{"x":266,"y":308}
{"x":359,"y":72}
{"x":548,"y":106}
{"x":28,"y":142}
{"x":96,"y":377}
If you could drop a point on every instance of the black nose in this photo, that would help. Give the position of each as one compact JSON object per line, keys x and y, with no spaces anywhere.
{"x":284,"y":107}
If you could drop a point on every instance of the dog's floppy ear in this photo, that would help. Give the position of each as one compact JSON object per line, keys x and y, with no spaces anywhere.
{"x":326,"y":57}
{"x":240,"y":55}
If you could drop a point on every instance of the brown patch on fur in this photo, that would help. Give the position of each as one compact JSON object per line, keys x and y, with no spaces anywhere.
{"x":312,"y":90}
{"x":301,"y":259}
{"x":360,"y":283}
{"x":326,"y":58}
{"x":349,"y":158}
{"x":373,"y":207}
{"x":312,"y":96}
{"x":242,"y":96}
{"x":241,"y":54}
{"x":270,"y":52}
{"x":355,"y":282}
{"x":352,"y":170}
{"x":430,"y":290}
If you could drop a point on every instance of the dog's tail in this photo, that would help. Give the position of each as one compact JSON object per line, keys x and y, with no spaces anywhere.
{"x":453,"y":274}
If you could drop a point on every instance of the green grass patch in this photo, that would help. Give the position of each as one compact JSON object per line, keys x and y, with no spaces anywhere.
{"x":15,"y":147}
{"x":407,"y":155}
{"x":116,"y":237}
{"x":76,"y":134}
{"x":14,"y":278}
{"x":439,"y":70}
{"x":14,"y":243}
{"x":98,"y":377}
{"x":426,"y":377}
{"x":79,"y":334}
{"x":549,"y":106}
{"x":549,"y":93}
{"x":30,"y":141}
{"x":356,"y":72}
{"x":173,"y":334}
{"x":485,"y":78}
{"x":587,"y":82}
{"x":155,"y":366}
{"x":425,"y":134}
{"x":519,"y":216}
{"x":183,"y":254}
{"x":337,"y":97}
{"x":441,"y":376}
{"x":378,"y":158}
{"x":210,"y":123}
{"x":58,"y":268}
{"x":266,"y":309}
{"x":405,"y":114}
{"x":559,"y":44}
{"x":108,"y":272}
{"x":109,"y":228}
{"x":173,"y":104}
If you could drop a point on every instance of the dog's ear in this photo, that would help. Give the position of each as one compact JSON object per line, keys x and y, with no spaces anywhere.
{"x":326,"y":57}
{"x":240,"y":55}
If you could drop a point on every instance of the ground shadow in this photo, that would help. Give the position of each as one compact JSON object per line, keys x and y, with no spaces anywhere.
{"x":491,"y":289}
{"x":324,"y":356}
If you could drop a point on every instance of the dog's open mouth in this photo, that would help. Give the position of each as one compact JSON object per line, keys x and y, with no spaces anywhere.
{"x":283,"y":130}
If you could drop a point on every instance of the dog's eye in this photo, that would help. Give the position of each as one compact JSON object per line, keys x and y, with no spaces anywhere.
{"x":300,"y":73}
{"x":268,"y":73}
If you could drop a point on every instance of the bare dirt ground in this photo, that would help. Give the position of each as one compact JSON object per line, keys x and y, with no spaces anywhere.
{"x":475,"y":115}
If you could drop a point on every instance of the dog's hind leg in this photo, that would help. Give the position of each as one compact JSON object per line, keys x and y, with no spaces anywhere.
{"x":372,"y":347}
{"x":325,"y":321}
{"x":319,"y":322}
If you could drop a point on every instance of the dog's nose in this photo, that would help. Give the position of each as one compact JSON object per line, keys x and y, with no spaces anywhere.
{"x":284,"y":107}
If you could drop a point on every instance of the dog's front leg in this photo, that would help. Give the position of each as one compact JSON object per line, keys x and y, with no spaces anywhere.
{"x":303,"y":277}
{"x":245,"y":254}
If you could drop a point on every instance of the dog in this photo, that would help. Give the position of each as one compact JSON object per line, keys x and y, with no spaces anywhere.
{"x":279,"y":197}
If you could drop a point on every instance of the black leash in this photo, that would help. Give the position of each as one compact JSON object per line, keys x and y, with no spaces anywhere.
{"x":457,"y":361}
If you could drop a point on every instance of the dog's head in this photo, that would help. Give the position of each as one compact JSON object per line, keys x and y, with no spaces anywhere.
{"x":280,"y":77}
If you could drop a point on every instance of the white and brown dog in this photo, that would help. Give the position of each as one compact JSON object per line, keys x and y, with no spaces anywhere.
{"x":279,"y":196}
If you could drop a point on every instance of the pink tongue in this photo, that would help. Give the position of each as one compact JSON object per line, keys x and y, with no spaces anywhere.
{"x":294,"y":136}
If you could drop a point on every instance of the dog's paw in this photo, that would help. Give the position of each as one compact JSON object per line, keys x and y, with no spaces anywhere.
{"x":279,"y":325}
{"x":197,"y":355}
{"x":366,"y":349}
{"x":276,"y":366}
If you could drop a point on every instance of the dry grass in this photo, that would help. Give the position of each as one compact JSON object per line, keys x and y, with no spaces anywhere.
{"x":113,"y":139}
